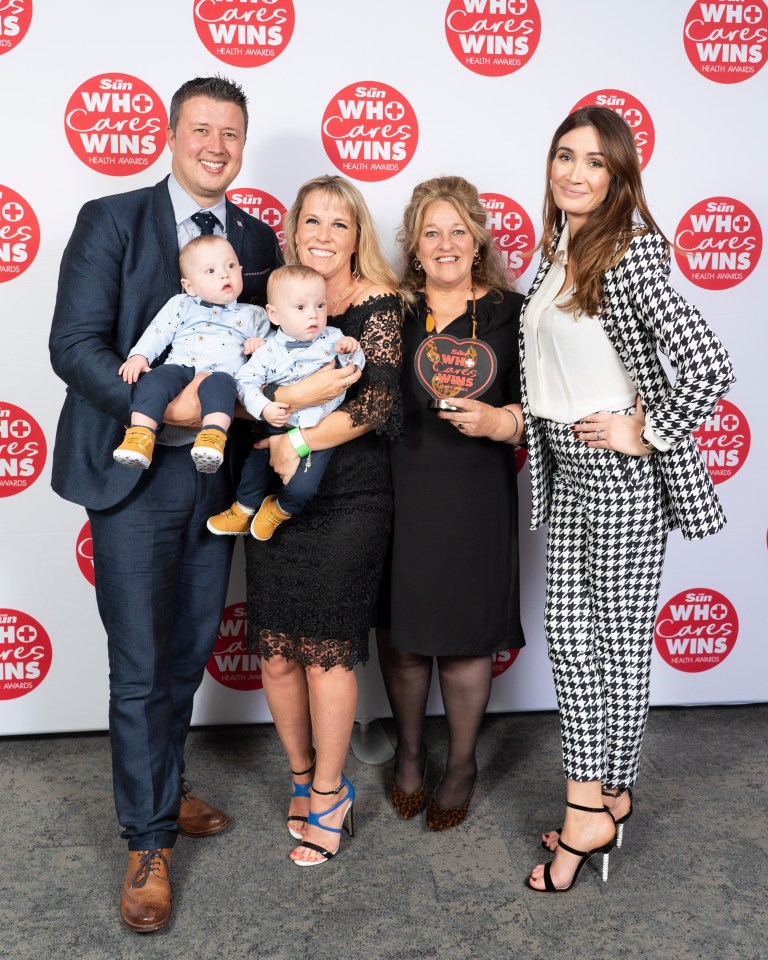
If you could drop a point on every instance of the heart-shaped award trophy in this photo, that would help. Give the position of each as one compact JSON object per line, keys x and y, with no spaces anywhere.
{"x":448,"y":368}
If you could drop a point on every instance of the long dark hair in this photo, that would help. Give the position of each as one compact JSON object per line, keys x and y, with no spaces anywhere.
{"x":603,"y":239}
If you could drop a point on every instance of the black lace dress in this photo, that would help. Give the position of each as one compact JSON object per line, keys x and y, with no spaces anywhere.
{"x":312,"y":587}
{"x":455,"y":578}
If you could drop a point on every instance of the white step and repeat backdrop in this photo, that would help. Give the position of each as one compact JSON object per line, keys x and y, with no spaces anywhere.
{"x":388,"y":94}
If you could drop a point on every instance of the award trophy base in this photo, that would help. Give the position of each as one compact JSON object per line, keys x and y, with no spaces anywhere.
{"x":441,"y":404}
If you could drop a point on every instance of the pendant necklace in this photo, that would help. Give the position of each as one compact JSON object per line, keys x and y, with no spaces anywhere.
{"x":429,"y":322}
{"x":345,"y":293}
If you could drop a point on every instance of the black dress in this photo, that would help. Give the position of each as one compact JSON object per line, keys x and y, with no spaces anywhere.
{"x":311,"y":588}
{"x":455,"y":579}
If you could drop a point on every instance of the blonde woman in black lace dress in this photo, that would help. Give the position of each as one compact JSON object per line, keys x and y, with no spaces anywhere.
{"x":312,"y":586}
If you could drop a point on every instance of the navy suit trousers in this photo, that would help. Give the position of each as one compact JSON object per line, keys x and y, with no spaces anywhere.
{"x":161,"y":584}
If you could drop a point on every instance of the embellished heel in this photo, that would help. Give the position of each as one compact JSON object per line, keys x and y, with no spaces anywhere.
{"x":315,"y":820}
{"x":615,"y":794}
{"x":584,"y":855}
{"x":300,"y":790}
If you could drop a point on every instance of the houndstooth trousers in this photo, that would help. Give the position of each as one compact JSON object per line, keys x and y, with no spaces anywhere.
{"x":605,"y":551}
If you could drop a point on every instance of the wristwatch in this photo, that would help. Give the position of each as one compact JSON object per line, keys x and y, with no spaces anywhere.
{"x":647,"y":443}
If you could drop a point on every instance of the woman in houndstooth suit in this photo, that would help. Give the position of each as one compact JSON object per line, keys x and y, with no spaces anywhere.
{"x":613,"y":464}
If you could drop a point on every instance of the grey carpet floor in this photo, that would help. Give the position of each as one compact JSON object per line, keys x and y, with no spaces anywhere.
{"x":690,"y":882}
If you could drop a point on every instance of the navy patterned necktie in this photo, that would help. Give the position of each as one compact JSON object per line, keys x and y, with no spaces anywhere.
{"x":206,"y":221}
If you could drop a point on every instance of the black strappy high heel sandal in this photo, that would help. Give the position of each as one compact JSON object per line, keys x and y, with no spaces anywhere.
{"x":585,"y":855}
{"x":613,"y":794}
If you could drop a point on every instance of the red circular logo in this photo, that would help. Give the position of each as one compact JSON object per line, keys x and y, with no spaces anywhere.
{"x":633,"y":111}
{"x":511,"y":228}
{"x":84,"y":553}
{"x":521,"y":455}
{"x":493,"y":37}
{"x":724,"y":441}
{"x":19,"y":234}
{"x":721,"y":242}
{"x":15,"y":17}
{"x":727,"y":42}
{"x":25,"y":654}
{"x":696,"y":630}
{"x":370,"y":131}
{"x":261,"y":205}
{"x":116,"y":124}
{"x":503,"y":660}
{"x":231,"y":663}
{"x":244,"y":34}
{"x":22,"y":449}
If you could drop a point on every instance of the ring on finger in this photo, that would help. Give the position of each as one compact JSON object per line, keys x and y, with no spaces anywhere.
{"x":599,"y":434}
{"x":460,"y":426}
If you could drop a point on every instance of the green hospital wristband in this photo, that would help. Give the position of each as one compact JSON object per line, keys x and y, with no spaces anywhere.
{"x":300,"y":445}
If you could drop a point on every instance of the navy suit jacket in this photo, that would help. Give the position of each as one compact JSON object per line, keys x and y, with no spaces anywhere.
{"x":120,"y":266}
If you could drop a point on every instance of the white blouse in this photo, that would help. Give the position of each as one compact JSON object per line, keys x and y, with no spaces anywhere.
{"x":571,"y":367}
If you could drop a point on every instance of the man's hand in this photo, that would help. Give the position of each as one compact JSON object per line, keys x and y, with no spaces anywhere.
{"x":184,"y":410}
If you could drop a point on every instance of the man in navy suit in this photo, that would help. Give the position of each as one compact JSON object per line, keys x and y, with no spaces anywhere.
{"x":161,"y":578}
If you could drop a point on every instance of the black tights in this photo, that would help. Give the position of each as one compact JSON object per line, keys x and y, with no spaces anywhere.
{"x":465,"y":685}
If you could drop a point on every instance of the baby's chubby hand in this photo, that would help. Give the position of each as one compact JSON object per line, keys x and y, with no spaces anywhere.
{"x":133,"y":368}
{"x":347,"y":345}
{"x":276,"y":413}
{"x":252,"y":344}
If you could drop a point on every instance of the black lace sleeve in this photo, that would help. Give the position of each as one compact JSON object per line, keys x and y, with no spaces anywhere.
{"x":375,"y":400}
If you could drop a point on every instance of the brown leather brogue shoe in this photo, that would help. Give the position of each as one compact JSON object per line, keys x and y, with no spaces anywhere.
{"x":147,"y":898}
{"x":198,"y":818}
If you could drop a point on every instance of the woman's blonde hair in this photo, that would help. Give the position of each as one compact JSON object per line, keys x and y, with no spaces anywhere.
{"x":603,"y":239}
{"x":488,"y":271}
{"x":369,"y":260}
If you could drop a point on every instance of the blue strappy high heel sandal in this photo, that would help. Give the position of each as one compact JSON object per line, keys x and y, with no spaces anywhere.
{"x":549,"y":886}
{"x":314,"y":820}
{"x":300,"y":790}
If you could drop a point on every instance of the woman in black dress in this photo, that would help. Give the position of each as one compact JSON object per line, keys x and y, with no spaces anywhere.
{"x":312,"y":586}
{"x":455,"y":589}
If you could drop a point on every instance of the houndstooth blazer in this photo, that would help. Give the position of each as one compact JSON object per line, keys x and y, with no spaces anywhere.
{"x":642,"y":315}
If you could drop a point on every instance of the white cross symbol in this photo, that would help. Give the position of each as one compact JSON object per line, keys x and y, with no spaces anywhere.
{"x":741,"y":223}
{"x":19,"y":429}
{"x":13,"y":211}
{"x":633,"y":116}
{"x":753,"y":14}
{"x":271,"y":216}
{"x":730,"y":422}
{"x":517,"y":9}
{"x":394,"y":110}
{"x":142,"y":103}
{"x":718,"y":611}
{"x":26,"y":632}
